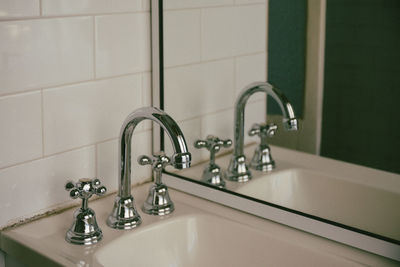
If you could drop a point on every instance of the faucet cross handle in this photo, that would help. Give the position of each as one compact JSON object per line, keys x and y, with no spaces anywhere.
{"x":212,"y":173}
{"x":262,"y":159}
{"x":213,"y":144}
{"x":158,"y":162}
{"x":263,"y":130}
{"x":158,"y":201}
{"x":85,"y":188}
{"x":84,"y":230}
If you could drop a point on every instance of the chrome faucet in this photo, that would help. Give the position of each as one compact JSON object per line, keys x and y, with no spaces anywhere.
{"x":124,"y":214}
{"x":238,"y":170}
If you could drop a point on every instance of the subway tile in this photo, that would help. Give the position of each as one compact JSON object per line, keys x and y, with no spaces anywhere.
{"x":233,"y":31}
{"x":21,"y":128}
{"x":182,"y":37}
{"x":46,"y":52}
{"x":146,"y":5}
{"x":147,"y":98}
{"x":86,"y":113}
{"x":218,"y":33}
{"x":19,"y":8}
{"x":250,"y":29}
{"x":39,"y":184}
{"x":249,"y":1}
{"x":199,"y":89}
{"x":76,"y":7}
{"x":182,"y":4}
{"x":255,"y":113}
{"x":250,"y":69}
{"x":107,"y":160}
{"x":122,"y":44}
{"x":219,"y":124}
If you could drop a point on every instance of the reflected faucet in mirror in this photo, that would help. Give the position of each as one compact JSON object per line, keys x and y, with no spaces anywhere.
{"x":124,"y":214}
{"x":238,"y":169}
{"x":212,"y":173}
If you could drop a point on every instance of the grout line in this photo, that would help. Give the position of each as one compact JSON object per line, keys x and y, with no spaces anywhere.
{"x":216,"y":60}
{"x":41,"y":8}
{"x":201,"y":34}
{"x":215,"y":6}
{"x":94,"y":47}
{"x":234,"y":77}
{"x":73,"y":83}
{"x":218,"y":111}
{"x":96,"y":162}
{"x":70,"y":16}
{"x":42,"y":118}
{"x":138,"y":131}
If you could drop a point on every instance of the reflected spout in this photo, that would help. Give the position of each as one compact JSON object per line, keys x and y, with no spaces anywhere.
{"x":289,"y":119}
{"x":124,"y":215}
{"x":238,"y":170}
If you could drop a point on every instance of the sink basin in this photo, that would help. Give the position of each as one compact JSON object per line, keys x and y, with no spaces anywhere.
{"x":315,"y":192}
{"x":207,"y":240}
{"x":197,"y":233}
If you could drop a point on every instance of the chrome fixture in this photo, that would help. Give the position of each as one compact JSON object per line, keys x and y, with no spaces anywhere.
{"x":262,"y":159}
{"x":124,"y":214}
{"x":238,"y":170}
{"x":212,"y":173}
{"x":84,"y":230}
{"x":158,"y":201}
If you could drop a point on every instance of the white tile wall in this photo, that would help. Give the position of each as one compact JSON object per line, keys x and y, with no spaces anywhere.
{"x":67,"y":7}
{"x":183,"y":4}
{"x":122,"y":44}
{"x":107,"y":155}
{"x":62,"y":47}
{"x":87,"y":113}
{"x":21,"y":124}
{"x":19,"y":8}
{"x":200,"y":93}
{"x":194,"y":90}
{"x":249,"y":1}
{"x":40,"y":183}
{"x":182,"y":37}
{"x":241,"y":31}
{"x":70,"y":72}
{"x":250,"y":69}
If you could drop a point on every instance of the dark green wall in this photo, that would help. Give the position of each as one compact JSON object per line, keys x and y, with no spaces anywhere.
{"x":286,"y":51}
{"x":361,"y":108}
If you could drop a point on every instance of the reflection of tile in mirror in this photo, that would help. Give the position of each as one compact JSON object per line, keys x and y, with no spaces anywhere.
{"x":200,"y":89}
{"x":233,"y":31}
{"x":183,"y":4}
{"x":181,"y":37}
{"x":250,"y":69}
{"x":122,"y":50}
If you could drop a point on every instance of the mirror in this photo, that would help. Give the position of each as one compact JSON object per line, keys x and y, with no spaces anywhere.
{"x":210,"y":50}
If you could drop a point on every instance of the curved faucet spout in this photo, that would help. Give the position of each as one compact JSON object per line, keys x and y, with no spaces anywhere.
{"x":124,"y":215}
{"x":238,"y":170}
{"x":289,"y":119}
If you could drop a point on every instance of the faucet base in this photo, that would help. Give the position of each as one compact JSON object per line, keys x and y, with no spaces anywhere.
{"x":212,"y":174}
{"x":158,"y":201}
{"x":262,"y":159}
{"x":84,"y":230}
{"x":124,"y":214}
{"x":238,"y":171}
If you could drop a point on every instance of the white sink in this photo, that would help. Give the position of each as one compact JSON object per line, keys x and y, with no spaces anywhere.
{"x":207,"y":240}
{"x":331,"y":198}
{"x":197,"y":233}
